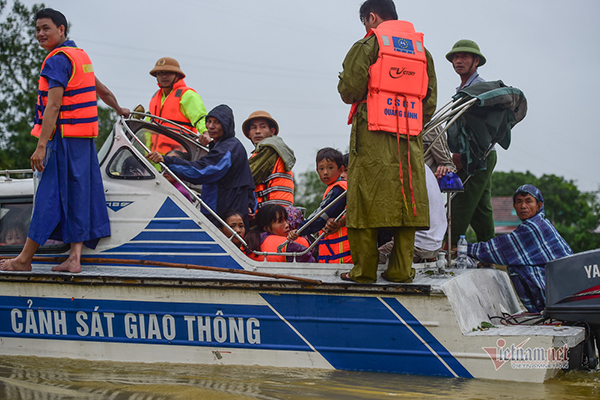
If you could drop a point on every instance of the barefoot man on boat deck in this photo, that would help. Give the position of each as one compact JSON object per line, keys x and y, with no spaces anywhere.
{"x":69,"y":202}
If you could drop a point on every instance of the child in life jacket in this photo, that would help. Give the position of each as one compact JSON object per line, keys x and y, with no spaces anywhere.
{"x":271,"y":230}
{"x":235,"y":221}
{"x":334,"y":247}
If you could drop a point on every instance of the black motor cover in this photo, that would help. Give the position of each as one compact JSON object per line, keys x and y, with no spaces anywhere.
{"x":573,"y":288}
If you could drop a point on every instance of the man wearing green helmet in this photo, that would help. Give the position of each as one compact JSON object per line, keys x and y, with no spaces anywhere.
{"x":473,"y":206}
{"x":465,"y":57}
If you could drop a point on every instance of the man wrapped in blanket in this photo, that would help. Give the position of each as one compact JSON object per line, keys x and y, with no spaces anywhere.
{"x":527,"y":249}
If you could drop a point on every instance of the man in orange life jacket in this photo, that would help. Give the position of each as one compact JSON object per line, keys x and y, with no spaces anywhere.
{"x":176,"y":102}
{"x":69,"y":202}
{"x":474,"y":205}
{"x":271,"y":161}
{"x":389,"y":78}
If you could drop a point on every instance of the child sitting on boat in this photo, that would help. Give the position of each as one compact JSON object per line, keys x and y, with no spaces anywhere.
{"x":235,"y":221}
{"x":272,"y":230}
{"x":334,"y":247}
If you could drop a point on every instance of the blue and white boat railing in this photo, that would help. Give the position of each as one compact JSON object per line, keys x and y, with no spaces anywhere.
{"x":199,"y":202}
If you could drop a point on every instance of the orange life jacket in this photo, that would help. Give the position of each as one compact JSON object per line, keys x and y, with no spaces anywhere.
{"x":335,"y":248}
{"x":397,"y":85}
{"x":171,"y":110}
{"x":278,"y":188}
{"x":270,"y":245}
{"x":397,"y":80}
{"x":78,"y":116}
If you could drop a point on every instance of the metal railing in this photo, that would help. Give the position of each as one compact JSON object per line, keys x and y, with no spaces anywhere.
{"x":448,"y":111}
{"x":8,"y":172}
{"x":310,"y":221}
{"x":199,"y":201}
{"x":165,"y":169}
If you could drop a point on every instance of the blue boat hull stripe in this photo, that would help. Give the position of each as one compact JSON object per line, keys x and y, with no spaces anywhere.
{"x":292,"y":328}
{"x":173,"y":236}
{"x":362,"y":333}
{"x":418,"y":336}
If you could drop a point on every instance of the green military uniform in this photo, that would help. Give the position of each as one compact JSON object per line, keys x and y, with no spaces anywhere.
{"x":374,"y":198}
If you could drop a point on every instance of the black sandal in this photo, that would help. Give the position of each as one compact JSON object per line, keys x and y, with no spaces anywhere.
{"x":345,"y":276}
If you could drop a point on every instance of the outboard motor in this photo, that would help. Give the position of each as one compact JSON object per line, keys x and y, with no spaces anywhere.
{"x":573,"y":295}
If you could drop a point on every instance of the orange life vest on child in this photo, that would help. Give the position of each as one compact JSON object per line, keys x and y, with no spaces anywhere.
{"x":397,"y":80}
{"x":335,"y":248}
{"x":278,"y":188}
{"x":270,"y":245}
{"x":78,"y":116}
{"x":171,"y":110}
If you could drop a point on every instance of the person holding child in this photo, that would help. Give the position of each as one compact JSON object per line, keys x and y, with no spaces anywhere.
{"x":333,"y":248}
{"x":272,"y":229}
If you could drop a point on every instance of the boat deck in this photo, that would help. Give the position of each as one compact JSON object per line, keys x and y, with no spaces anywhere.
{"x":423,"y":284}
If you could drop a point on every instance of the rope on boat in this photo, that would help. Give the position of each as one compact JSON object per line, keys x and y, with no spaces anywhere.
{"x":92,"y":260}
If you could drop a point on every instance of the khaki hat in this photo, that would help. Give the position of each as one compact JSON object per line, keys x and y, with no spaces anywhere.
{"x":167,"y":64}
{"x":258,"y":114}
{"x":466,"y":46}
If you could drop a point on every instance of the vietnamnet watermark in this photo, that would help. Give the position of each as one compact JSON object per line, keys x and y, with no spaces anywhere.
{"x":521,"y":357}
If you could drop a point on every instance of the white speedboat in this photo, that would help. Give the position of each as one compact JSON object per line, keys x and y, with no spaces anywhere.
{"x":168,"y":286}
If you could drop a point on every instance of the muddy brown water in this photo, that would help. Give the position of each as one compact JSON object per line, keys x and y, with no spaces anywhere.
{"x":52,"y":379}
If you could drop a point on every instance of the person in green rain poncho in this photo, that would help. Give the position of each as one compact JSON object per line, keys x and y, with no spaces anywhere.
{"x":375,"y":197}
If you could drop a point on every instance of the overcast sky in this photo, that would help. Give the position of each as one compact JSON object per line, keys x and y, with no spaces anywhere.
{"x":284,"y":57}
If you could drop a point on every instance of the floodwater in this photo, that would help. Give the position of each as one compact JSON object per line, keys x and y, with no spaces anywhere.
{"x":51,"y":379}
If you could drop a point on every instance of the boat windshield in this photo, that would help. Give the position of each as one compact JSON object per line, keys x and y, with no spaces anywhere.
{"x":125,"y":165}
{"x":160,"y":142}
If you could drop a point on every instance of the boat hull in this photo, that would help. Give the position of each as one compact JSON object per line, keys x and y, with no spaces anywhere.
{"x":245,"y":322}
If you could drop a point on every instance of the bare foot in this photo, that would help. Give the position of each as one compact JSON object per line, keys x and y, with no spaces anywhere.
{"x":14,"y":265}
{"x":71,"y":265}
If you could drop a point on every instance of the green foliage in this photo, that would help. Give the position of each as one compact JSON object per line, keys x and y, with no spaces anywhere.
{"x":574,"y":214}
{"x":20,"y":60}
{"x":309,"y":191}
{"x":106,"y":120}
{"x":505,"y":183}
